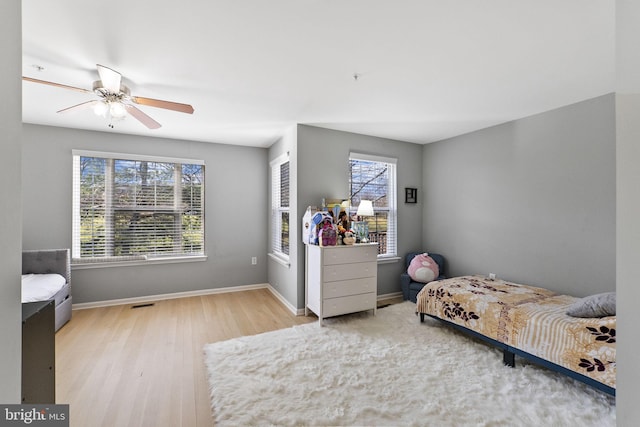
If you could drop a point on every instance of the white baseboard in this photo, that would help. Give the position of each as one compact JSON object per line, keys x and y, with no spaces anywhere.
{"x":151,"y":298}
{"x":295,"y":311}
{"x":389,"y":296}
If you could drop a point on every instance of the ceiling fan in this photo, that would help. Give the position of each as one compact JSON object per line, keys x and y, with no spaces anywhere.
{"x":115,"y":99}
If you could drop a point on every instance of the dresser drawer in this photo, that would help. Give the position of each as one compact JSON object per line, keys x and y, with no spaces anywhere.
{"x":348,"y":254}
{"x":333,"y":273}
{"x":350,"y":304}
{"x":349,"y":287}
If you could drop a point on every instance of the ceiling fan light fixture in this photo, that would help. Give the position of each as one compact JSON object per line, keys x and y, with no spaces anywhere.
{"x":115,"y":101}
{"x":100,"y":108}
{"x":117,"y":110}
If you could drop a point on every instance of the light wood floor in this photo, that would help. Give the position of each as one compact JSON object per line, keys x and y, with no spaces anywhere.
{"x":119,"y":366}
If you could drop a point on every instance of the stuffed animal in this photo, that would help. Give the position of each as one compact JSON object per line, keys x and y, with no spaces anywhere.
{"x":423,"y":268}
{"x":349,"y":238}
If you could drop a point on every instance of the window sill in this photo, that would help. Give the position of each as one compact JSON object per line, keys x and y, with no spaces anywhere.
{"x":280,"y":260}
{"x":149,"y":261}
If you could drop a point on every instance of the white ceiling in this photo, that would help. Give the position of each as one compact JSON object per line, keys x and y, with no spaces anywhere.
{"x":428,"y":69}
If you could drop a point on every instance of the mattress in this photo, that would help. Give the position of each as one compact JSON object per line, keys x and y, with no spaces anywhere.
{"x":42,"y":287}
{"x":529,"y":319}
{"x":478,"y":304}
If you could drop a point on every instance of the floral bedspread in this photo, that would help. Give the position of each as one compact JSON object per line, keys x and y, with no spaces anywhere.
{"x":527,"y":318}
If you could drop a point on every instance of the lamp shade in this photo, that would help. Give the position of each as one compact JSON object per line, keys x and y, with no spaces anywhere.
{"x":365,"y":208}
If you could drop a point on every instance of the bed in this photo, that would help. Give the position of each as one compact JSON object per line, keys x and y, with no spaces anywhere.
{"x":46,"y":275}
{"x":527,"y":321}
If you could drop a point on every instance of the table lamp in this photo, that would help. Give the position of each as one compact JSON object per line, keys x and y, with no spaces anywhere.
{"x":365,"y":208}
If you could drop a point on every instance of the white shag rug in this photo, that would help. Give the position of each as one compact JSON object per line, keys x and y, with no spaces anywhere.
{"x":391,"y":370}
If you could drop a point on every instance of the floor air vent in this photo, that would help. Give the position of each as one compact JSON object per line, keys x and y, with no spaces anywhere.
{"x":143,"y":305}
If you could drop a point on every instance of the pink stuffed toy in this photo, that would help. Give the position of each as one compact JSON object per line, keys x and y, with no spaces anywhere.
{"x":423,"y":268}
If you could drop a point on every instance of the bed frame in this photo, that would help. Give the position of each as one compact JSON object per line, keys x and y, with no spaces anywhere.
{"x":57,"y":261}
{"x":509,"y":356}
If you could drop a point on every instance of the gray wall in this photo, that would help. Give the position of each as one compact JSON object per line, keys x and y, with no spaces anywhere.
{"x":10,"y":258}
{"x":234,"y":221}
{"x":284,"y":278}
{"x":628,"y":210}
{"x":323,"y":162}
{"x":531,"y":200}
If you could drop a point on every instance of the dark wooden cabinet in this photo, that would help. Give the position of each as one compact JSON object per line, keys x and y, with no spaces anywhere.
{"x":38,"y":352}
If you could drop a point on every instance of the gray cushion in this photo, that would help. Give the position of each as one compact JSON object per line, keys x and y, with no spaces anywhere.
{"x":599,"y":305}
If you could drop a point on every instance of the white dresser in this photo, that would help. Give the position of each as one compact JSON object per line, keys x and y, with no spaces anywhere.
{"x":341,"y":279}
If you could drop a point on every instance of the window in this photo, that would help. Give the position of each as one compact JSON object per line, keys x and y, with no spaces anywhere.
{"x":280,"y":206}
{"x":374,"y":178}
{"x":129,"y":207}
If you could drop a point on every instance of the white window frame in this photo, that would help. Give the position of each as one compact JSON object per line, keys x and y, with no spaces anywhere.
{"x":111,"y":261}
{"x":392,"y":199}
{"x":277,"y":209}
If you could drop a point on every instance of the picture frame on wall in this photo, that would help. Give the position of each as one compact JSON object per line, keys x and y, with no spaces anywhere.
{"x":411,"y":195}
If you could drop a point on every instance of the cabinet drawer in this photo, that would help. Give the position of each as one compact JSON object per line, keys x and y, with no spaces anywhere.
{"x":350,"y":304}
{"x":332,"y":273}
{"x":350,"y":254}
{"x":349,"y":287}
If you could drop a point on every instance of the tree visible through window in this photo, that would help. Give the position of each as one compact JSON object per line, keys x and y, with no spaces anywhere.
{"x":137,"y":208}
{"x":374,"y":178}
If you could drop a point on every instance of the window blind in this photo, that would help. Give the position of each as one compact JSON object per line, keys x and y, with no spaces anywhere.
{"x":133,"y":207}
{"x":280,"y":206}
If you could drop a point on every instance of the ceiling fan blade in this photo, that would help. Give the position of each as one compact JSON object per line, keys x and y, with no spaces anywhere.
{"x":77,"y":107}
{"x":29,"y":79}
{"x":175,"y":106}
{"x":142,"y":117}
{"x":111,"y":79}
